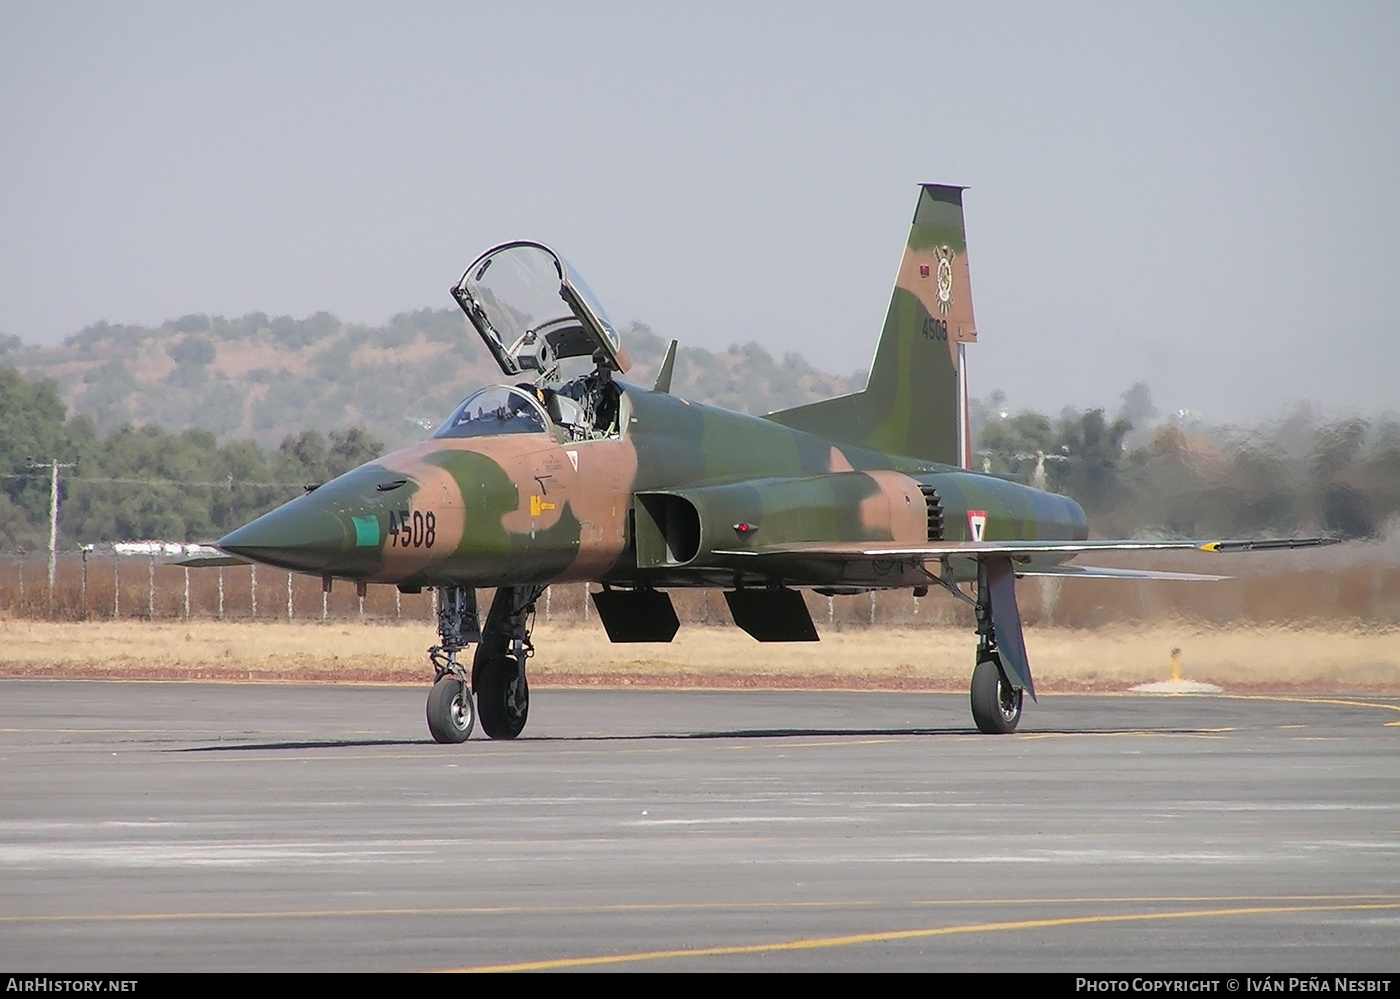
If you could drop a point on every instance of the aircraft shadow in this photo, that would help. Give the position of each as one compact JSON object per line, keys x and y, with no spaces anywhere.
{"x":789,"y":733}
{"x":750,"y":733}
{"x":755,"y":733}
{"x":774,"y":733}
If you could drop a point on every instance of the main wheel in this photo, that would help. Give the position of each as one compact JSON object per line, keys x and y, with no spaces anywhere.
{"x":450,"y":711}
{"x":996,"y":705}
{"x":502,"y":696}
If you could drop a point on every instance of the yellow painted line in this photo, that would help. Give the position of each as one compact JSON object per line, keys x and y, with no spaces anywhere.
{"x":1310,"y":700}
{"x":1384,"y":900}
{"x":817,"y":943}
{"x":807,"y":745}
{"x":1196,"y":733}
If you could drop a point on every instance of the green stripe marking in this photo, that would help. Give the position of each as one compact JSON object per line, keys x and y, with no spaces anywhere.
{"x":366,"y":532}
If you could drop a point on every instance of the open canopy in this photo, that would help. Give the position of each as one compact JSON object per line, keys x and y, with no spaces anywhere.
{"x":533,"y":310}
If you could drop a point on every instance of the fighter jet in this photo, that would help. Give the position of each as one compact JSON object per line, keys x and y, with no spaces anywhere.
{"x":565,"y":473}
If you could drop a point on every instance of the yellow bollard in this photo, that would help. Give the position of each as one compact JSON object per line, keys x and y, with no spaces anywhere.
{"x":1176,"y":665}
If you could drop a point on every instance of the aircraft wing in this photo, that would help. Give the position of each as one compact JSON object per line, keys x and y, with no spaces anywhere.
{"x":1100,"y":572}
{"x":1016,"y":550}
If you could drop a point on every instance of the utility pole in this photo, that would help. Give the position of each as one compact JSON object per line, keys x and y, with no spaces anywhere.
{"x":54,"y":465}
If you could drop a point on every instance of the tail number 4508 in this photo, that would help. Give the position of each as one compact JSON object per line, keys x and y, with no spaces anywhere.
{"x":412,"y":530}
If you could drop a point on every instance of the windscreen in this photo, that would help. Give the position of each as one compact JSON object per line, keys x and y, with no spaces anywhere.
{"x":493,"y":411}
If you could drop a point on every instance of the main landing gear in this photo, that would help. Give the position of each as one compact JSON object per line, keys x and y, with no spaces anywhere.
{"x":498,"y":667}
{"x":996,"y":700}
{"x":996,"y":704}
{"x":498,"y":670}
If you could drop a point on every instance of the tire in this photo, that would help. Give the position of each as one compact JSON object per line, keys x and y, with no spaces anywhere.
{"x":504,"y":708}
{"x":451,"y":715}
{"x":996,"y":707}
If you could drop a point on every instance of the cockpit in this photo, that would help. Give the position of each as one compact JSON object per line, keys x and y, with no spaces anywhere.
{"x":533,"y":409}
{"x":493,"y":411}
{"x":539,"y":319}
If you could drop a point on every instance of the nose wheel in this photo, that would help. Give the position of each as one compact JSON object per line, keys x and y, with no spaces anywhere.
{"x":451,"y":713}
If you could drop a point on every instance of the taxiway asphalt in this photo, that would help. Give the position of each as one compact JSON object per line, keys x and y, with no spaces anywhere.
{"x":182,"y":826}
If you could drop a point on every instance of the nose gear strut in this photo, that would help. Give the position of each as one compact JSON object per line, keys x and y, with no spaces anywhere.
{"x":458,"y":627}
{"x":451,"y":711}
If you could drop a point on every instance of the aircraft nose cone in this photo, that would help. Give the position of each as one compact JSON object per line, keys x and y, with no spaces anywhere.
{"x":301,"y":536}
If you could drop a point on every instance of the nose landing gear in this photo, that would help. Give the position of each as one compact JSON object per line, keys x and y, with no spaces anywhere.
{"x":451,"y":713}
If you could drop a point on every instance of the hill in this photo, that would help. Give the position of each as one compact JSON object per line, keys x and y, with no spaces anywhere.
{"x":263,"y":378}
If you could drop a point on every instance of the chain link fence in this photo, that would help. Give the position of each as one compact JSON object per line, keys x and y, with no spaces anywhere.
{"x":1361,"y":587}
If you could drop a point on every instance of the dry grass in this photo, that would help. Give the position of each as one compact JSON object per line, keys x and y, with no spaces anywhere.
{"x":1113,"y":657}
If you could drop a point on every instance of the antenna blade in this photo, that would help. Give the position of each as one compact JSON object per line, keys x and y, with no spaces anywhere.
{"x":668,"y":367}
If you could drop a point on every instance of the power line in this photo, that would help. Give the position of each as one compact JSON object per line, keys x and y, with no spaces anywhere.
{"x":221,"y":483}
{"x":53,"y":465}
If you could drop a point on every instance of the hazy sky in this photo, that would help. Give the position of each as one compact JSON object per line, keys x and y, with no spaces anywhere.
{"x":1204,"y":197}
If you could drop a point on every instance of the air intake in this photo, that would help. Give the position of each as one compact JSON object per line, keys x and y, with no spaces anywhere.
{"x":935,"y":512}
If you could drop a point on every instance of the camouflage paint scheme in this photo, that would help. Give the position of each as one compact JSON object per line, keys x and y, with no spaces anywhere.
{"x":530,"y":508}
{"x":549,"y":481}
{"x":516,"y":509}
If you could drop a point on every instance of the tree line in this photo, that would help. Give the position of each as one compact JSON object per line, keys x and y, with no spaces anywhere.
{"x":262,"y":377}
{"x":145,"y":482}
{"x":1136,"y":474}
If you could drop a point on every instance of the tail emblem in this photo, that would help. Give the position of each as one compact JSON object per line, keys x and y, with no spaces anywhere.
{"x":945,"y":279}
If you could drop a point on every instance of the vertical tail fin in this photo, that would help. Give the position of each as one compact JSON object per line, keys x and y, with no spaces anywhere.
{"x":915,"y":401}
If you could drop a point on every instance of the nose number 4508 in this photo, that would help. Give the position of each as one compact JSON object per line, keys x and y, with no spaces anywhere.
{"x":412,"y":530}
